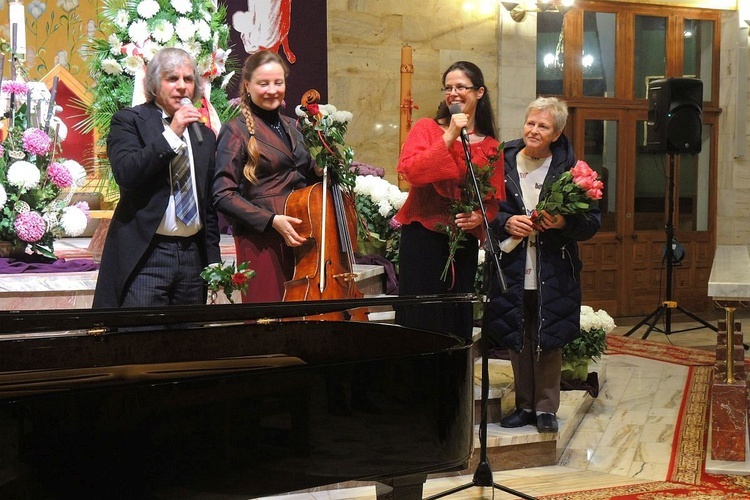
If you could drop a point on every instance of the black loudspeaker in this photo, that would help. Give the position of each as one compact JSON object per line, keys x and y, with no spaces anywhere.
{"x":674,"y":115}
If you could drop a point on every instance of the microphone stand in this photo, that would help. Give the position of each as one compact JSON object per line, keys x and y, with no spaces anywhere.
{"x":483,"y":473}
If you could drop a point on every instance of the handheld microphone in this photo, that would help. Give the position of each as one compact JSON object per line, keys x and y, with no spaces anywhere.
{"x":455,"y":108}
{"x":196,"y":128}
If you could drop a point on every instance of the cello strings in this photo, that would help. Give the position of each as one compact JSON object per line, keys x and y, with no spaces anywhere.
{"x":344,"y":236}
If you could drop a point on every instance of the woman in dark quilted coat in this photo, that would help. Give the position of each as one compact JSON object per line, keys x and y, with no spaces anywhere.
{"x":540,"y":311}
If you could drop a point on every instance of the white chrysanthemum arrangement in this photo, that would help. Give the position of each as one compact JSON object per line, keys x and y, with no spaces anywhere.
{"x":130,"y":33}
{"x":36,"y":187}
{"x":377,"y":201}
{"x":590,"y":345}
{"x":596,"y":320}
{"x":137,"y":30}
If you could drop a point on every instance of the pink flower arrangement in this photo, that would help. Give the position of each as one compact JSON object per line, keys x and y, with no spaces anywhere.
{"x":587,"y":179}
{"x":572,"y":193}
{"x":36,"y":186}
{"x":36,"y":141}
{"x":13,"y":87}
{"x":59,"y":175}
{"x":30,"y":227}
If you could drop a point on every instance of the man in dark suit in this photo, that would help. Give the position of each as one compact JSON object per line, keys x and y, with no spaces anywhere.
{"x":164,"y":229}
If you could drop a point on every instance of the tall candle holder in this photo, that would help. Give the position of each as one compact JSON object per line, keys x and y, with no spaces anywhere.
{"x":17,"y":18}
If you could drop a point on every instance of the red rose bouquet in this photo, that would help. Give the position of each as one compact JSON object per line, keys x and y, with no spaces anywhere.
{"x":226,"y":277}
{"x":467,"y":202}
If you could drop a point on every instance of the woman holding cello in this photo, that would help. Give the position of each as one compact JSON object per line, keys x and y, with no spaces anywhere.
{"x":261,"y":158}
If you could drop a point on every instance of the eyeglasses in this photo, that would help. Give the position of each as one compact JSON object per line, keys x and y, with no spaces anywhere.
{"x":461,"y":89}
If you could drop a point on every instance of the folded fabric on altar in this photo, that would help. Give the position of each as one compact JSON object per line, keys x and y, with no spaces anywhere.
{"x":41,"y":264}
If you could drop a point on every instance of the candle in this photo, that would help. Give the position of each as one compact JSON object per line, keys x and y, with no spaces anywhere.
{"x":13,"y":35}
{"x":407,"y":69}
{"x":17,"y":17}
{"x":53,"y":91}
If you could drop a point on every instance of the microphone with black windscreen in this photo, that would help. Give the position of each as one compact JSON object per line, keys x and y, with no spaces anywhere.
{"x":455,"y":108}
{"x":196,"y":128}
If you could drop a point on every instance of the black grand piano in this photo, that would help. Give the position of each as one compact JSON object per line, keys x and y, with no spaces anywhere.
{"x":226,"y":402}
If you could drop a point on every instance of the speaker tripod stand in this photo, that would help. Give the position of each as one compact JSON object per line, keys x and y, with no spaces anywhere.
{"x":668,"y":305}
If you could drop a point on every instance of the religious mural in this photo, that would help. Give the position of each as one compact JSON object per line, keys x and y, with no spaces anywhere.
{"x":297,"y":30}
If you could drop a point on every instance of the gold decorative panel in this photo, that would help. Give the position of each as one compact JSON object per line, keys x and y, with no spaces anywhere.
{"x":56,"y":34}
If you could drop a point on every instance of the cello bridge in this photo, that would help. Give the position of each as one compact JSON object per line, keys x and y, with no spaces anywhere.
{"x":346,"y":276}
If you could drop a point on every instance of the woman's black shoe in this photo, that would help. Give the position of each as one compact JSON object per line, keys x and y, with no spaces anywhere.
{"x":518,"y":418}
{"x":546,"y":422}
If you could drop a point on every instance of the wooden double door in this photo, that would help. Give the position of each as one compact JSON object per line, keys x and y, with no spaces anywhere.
{"x":625,"y":269}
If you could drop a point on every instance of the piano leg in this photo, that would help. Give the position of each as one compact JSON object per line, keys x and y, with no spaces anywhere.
{"x":401,"y":488}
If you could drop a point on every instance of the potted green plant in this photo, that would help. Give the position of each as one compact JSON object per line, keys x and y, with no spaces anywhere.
{"x":589,"y":346}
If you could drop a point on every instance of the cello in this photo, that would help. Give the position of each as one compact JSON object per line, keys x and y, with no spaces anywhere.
{"x":324,"y":264}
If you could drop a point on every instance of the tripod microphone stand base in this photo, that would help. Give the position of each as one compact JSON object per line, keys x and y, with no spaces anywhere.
{"x":482,"y":477}
{"x":483,"y":473}
{"x":666,"y":310}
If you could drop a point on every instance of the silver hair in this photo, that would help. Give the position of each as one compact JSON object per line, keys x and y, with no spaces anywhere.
{"x":165,"y":61}
{"x":554,"y":106}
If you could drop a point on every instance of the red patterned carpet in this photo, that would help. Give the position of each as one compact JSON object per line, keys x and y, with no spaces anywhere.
{"x":659,"y":351}
{"x":686,"y":478}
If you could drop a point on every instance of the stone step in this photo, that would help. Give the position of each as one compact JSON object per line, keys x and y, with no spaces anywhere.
{"x":525,"y":447}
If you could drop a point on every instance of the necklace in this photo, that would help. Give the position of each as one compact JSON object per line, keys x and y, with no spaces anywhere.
{"x":276,"y":127}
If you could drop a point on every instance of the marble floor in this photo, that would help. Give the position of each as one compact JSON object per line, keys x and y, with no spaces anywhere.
{"x":624,"y":438}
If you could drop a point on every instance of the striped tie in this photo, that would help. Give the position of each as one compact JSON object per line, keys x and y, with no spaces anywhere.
{"x":182,"y":186}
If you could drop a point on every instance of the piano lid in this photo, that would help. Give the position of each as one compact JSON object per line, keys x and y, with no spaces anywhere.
{"x":233,"y":411}
{"x":103,"y":321}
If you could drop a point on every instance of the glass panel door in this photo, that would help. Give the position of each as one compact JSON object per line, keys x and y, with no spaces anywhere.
{"x":549,"y":53}
{"x":649,"y":197}
{"x":650,"y":57}
{"x":694,"y":187}
{"x":698,"y":45}
{"x":596,"y":136}
{"x":599,"y":55}
{"x":600,"y":152}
